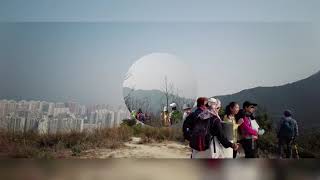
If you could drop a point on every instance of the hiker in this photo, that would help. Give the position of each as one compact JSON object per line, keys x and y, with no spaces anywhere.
{"x":175,"y":115}
{"x":249,"y":136}
{"x":188,"y":124}
{"x":165,"y":117}
{"x":133,"y":115}
{"x":287,"y":133}
{"x":206,"y":136}
{"x":232,"y":109}
{"x":186,"y":111}
{"x":140,"y":116}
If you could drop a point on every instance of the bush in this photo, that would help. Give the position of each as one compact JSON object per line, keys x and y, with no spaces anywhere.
{"x":77,"y":149}
{"x":148,"y":133}
{"x":129,"y":122}
{"x":45,"y":154}
{"x":268,"y":144}
{"x":309,"y":144}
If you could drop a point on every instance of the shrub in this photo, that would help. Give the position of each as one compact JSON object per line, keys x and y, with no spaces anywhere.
{"x":129,"y":122}
{"x":77,"y":149}
{"x":159,"y":134}
{"x":268,"y":144}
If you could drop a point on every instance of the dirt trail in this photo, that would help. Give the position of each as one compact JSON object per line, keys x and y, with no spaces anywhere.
{"x":134,"y":149}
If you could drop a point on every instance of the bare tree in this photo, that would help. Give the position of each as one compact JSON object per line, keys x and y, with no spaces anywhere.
{"x":128,"y":99}
{"x":176,"y":97}
{"x":146,"y":104}
{"x":135,"y":103}
{"x":167,"y":90}
{"x":173,"y":94}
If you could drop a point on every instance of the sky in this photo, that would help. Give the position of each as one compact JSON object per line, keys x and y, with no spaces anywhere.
{"x":164,"y":10}
{"x":162,"y":71}
{"x":62,"y":50}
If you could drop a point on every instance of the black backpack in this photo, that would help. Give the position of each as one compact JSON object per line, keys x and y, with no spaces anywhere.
{"x":200,"y":136}
{"x":286,"y":129}
{"x":188,"y":124}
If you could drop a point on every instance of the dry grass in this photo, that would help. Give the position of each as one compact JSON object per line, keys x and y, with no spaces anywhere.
{"x":32,"y":145}
{"x":153,"y":134}
{"x":53,"y":146}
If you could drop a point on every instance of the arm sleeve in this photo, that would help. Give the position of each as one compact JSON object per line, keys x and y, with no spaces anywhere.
{"x":187,"y":127}
{"x":216,"y":129}
{"x":246,"y":128}
{"x":296,"y":130}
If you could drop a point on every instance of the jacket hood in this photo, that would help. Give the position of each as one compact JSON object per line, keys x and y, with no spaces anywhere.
{"x":287,"y":118}
{"x":205,"y":115}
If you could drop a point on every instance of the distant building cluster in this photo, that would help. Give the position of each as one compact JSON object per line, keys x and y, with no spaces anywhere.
{"x":48,"y":117}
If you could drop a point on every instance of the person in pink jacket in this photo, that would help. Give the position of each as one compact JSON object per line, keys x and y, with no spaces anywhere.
{"x":249,"y":136}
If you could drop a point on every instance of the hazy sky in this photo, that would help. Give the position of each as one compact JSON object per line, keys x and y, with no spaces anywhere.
{"x":159,"y":10}
{"x":163,"y":71}
{"x":87,"y":60}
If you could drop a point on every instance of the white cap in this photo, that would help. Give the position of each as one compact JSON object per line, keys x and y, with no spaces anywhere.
{"x":173,"y":105}
{"x":214,"y":101}
{"x":165,"y":108}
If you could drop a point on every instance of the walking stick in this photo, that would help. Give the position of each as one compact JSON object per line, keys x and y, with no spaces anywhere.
{"x":295,"y":147}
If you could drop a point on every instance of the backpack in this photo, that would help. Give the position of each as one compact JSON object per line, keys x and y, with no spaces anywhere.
{"x":141,"y":117}
{"x":200,"y":136}
{"x":286,"y":129}
{"x":187,"y":126}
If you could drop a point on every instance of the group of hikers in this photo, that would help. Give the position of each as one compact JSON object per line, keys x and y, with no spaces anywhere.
{"x":216,"y":137}
{"x":212,"y":136}
{"x":175,"y":116}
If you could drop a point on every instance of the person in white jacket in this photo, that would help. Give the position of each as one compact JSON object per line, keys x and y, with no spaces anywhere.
{"x":186,"y":111}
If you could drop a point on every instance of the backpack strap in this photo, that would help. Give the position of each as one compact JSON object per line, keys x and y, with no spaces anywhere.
{"x":214,"y":119}
{"x":214,"y":145}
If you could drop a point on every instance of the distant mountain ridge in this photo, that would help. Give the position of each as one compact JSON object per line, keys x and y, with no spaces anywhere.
{"x":302,"y":97}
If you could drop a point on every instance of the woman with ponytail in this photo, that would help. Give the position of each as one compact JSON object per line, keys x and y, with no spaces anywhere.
{"x":232,"y":109}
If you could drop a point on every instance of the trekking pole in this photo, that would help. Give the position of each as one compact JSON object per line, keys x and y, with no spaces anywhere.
{"x":296,"y":151}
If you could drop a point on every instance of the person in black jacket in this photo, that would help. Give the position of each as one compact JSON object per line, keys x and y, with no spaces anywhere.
{"x":188,"y":124}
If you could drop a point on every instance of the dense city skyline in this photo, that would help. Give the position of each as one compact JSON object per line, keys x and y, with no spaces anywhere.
{"x":56,"y":117}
